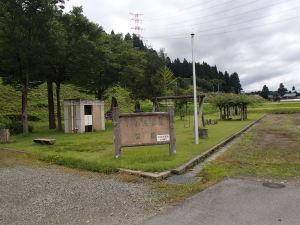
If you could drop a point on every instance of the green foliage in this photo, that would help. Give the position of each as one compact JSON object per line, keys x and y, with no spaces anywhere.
{"x":208,"y":77}
{"x":265,"y":92}
{"x":15,"y":127}
{"x":281,"y":90}
{"x":10,"y":103}
{"x":222,"y":100}
{"x":13,"y":123}
{"x":39,"y":42}
{"x":123,"y":96}
{"x":165,"y":81}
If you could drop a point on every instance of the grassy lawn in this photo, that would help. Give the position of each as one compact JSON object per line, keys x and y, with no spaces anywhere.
{"x":95,"y":151}
{"x":276,"y":107}
{"x":271,"y":149}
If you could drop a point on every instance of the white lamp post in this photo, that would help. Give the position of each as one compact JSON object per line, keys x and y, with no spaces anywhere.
{"x":196,"y":125}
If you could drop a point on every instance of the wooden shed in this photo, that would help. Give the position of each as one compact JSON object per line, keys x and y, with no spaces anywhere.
{"x":83,"y":115}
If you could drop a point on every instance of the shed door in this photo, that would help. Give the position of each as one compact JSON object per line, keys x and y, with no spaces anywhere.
{"x":88,"y":118}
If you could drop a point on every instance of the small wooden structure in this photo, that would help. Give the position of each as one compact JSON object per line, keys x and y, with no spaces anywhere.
{"x":45,"y":141}
{"x":4,"y":136}
{"x":142,"y":129}
{"x":83,"y":115}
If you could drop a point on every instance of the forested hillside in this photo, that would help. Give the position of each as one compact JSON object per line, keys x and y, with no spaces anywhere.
{"x":44,"y":49}
{"x":10,"y":103}
{"x":209,"y":78}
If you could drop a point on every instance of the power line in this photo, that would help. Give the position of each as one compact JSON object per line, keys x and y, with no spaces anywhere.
{"x":215,"y":13}
{"x":182,"y":9}
{"x":225,"y":32}
{"x":242,"y":22}
{"x":191,"y":7}
{"x":227,"y":17}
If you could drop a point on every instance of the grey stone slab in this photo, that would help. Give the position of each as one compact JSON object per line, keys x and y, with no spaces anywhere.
{"x":183,"y":179}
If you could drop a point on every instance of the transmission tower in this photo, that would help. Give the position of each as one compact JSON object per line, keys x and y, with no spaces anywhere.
{"x":137,"y":24}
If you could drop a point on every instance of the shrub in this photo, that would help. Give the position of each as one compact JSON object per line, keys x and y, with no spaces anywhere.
{"x":18,"y":117}
{"x":15,"y":127}
{"x":123,"y":96}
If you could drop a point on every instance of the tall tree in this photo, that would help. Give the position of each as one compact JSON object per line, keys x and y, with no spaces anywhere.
{"x":227,"y":86}
{"x":235,"y":83}
{"x":265,"y":92}
{"x":23,"y":34}
{"x":74,"y":54}
{"x":281,"y":90}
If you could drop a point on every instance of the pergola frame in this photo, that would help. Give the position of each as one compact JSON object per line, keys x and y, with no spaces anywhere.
{"x":187,"y":98}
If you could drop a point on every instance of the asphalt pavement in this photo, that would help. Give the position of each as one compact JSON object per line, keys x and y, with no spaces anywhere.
{"x":238,"y":202}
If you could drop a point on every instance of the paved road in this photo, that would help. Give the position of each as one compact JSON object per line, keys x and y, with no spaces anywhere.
{"x":237,"y":202}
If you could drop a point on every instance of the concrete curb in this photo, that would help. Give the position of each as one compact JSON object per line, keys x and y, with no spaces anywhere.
{"x":153,"y":176}
{"x":200,"y":158}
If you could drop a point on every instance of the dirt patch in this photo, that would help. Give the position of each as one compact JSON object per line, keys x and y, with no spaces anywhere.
{"x":296,"y":119}
{"x":278,"y":132}
{"x":276,"y":140}
{"x":10,"y":158}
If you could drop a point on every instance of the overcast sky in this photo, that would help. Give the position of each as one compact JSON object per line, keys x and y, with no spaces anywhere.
{"x":258,"y":39}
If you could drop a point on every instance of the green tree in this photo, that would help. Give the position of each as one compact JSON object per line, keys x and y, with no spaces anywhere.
{"x":265,"y":92}
{"x":281,"y":90}
{"x":235,"y":83}
{"x":150,"y":86}
{"x":24,"y":29}
{"x":165,"y":80}
{"x":227,"y":86}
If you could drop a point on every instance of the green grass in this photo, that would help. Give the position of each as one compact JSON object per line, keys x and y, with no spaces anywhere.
{"x":276,"y":108}
{"x":37,"y":99}
{"x":95,"y":151}
{"x":272,"y":149}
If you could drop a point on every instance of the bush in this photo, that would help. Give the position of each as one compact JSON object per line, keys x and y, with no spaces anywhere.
{"x":2,"y":126}
{"x":15,"y":127}
{"x":123,"y":96}
{"x":3,"y":123}
{"x":18,"y":117}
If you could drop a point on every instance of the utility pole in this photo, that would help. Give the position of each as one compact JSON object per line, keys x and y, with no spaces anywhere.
{"x":137,"y":27}
{"x":196,"y":122}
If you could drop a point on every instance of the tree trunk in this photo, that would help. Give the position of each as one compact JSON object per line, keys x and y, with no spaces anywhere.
{"x":242,"y":112}
{"x":24,"y":105}
{"x":51,"y":112}
{"x":58,"y":106}
{"x":227,"y":112}
{"x":221,"y":116}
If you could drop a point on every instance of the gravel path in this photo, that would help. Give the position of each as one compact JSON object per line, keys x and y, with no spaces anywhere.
{"x":37,"y":196}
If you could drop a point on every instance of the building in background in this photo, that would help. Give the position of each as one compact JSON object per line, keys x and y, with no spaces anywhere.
{"x":83,"y":115}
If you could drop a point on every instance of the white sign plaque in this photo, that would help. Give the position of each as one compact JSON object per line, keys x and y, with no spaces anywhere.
{"x":163,"y":138}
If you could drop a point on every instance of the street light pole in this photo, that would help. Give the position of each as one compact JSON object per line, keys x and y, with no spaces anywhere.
{"x":196,"y":122}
